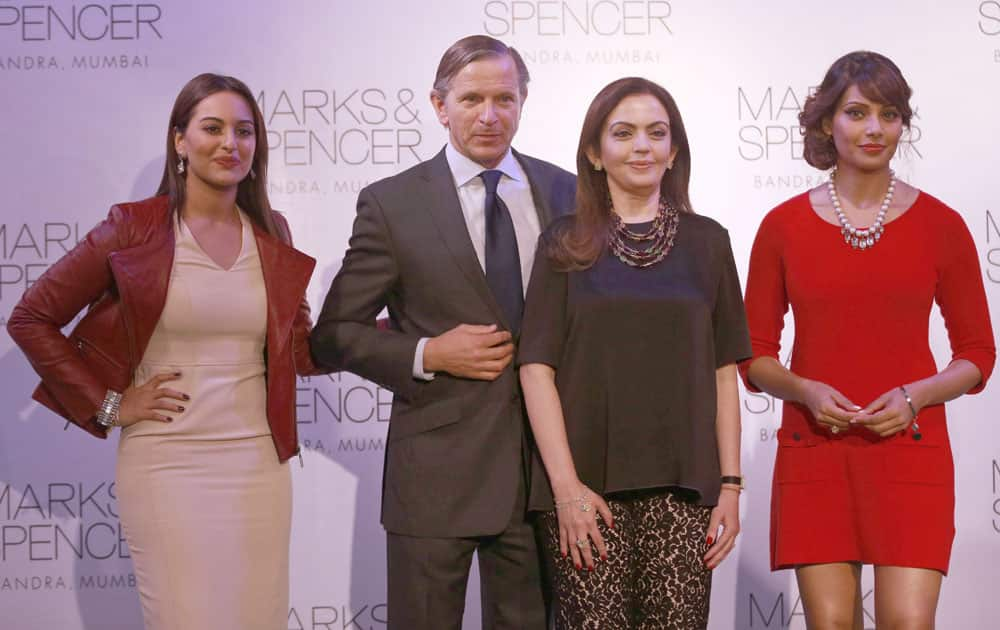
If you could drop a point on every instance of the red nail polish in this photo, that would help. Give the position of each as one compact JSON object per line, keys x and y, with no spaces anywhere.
{"x":604,"y":557}
{"x":710,"y":541}
{"x":563,"y":554}
{"x":590,"y":568}
{"x":578,"y":567}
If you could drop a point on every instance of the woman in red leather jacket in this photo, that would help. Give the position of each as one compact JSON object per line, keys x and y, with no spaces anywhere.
{"x":196,"y":328}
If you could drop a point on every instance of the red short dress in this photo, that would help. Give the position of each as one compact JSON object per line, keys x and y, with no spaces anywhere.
{"x":861,"y":326}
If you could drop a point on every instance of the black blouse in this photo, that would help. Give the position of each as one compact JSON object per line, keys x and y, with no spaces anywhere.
{"x":635,"y":353}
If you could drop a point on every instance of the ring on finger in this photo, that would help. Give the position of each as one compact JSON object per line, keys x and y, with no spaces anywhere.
{"x":580,"y":543}
{"x":835,"y":429}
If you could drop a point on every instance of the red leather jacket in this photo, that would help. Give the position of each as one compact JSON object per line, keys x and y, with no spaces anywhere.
{"x":121,"y":270}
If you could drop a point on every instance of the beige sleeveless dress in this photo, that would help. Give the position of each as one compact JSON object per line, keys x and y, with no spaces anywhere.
{"x":204,"y":502}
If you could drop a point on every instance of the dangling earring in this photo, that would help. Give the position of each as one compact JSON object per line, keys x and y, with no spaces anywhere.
{"x":597,"y":167}
{"x":180,"y":164}
{"x":252,"y":174}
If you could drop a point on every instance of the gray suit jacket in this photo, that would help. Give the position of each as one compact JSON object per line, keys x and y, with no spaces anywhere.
{"x":455,"y":451}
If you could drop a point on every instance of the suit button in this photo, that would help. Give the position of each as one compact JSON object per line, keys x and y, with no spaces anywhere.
{"x":796,"y":437}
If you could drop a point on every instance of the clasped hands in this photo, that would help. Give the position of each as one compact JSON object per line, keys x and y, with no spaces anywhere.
{"x":888,"y":414}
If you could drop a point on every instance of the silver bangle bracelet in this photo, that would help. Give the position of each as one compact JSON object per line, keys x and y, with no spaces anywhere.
{"x":909,"y":401}
{"x":107,"y":415}
{"x":913,"y":423}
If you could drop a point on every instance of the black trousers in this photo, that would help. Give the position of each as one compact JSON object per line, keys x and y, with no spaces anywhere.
{"x":427,"y":579}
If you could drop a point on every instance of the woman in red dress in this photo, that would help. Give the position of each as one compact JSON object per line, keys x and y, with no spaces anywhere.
{"x":864,"y":471}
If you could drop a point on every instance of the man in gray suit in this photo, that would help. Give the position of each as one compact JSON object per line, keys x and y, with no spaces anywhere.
{"x":447,"y":246}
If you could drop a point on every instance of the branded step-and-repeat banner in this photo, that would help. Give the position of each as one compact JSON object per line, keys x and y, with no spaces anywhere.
{"x":85,"y":92}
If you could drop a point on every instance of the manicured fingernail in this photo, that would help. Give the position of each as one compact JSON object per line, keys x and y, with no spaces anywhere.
{"x":563,"y":554}
{"x":710,"y":540}
{"x":177,"y":373}
{"x":186,"y":397}
{"x":170,"y":419}
{"x":179,"y":408}
{"x":578,"y":567}
{"x":590,"y":568}
{"x":604,"y":557}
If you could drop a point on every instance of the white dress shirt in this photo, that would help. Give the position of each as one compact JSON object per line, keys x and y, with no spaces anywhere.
{"x":515,"y":190}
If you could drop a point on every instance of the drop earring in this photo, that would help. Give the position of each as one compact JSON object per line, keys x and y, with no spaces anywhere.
{"x":180,"y":165}
{"x":253,"y":175}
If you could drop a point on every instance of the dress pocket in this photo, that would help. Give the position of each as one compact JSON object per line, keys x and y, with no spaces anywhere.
{"x":802,"y":458}
{"x":908,"y":461}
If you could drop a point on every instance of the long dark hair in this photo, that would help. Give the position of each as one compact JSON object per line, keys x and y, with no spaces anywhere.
{"x":251,"y":194}
{"x":579,"y":246}
{"x":878,"y":78}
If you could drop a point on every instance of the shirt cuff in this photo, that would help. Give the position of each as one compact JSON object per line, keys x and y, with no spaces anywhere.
{"x":418,"y":362}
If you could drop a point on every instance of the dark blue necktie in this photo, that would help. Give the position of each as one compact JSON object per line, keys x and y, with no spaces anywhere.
{"x":503,"y":264}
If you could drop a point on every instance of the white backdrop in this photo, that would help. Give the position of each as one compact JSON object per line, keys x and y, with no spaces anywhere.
{"x":86,"y":92}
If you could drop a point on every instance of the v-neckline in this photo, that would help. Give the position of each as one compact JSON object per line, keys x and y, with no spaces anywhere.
{"x":184,"y":227}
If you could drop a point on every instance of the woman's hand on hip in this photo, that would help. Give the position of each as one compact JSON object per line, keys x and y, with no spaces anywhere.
{"x":579,"y":536}
{"x":149,"y":400}
{"x":727,"y":516}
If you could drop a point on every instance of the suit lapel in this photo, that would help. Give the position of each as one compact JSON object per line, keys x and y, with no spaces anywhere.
{"x":446,"y":212}
{"x":286,"y":273}
{"x":541,"y":190}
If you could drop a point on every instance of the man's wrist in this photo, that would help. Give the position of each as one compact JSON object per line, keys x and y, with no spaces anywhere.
{"x":420,"y":367}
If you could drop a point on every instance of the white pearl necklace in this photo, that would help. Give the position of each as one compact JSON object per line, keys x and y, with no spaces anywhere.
{"x":861,"y":238}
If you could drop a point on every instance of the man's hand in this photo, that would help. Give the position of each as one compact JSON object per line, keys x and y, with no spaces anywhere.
{"x":470,"y":351}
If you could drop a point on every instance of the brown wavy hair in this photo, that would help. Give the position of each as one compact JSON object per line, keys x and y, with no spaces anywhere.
{"x":878,"y":78}
{"x":585,"y":238}
{"x":251,"y":194}
{"x":473,"y":48}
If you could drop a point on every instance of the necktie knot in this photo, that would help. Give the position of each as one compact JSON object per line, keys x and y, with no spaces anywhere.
{"x":491,"y":179}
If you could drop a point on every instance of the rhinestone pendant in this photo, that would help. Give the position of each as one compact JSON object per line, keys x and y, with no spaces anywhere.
{"x":861,"y":238}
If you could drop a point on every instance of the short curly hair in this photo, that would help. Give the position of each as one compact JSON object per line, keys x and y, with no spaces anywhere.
{"x":878,"y":78}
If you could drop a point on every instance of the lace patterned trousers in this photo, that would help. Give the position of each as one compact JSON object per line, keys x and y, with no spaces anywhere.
{"x":654,"y":576}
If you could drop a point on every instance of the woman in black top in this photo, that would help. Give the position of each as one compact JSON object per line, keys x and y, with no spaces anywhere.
{"x":632,"y":329}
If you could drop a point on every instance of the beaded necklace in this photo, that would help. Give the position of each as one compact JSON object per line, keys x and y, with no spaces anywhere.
{"x":861,"y":238}
{"x":660,"y":237}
